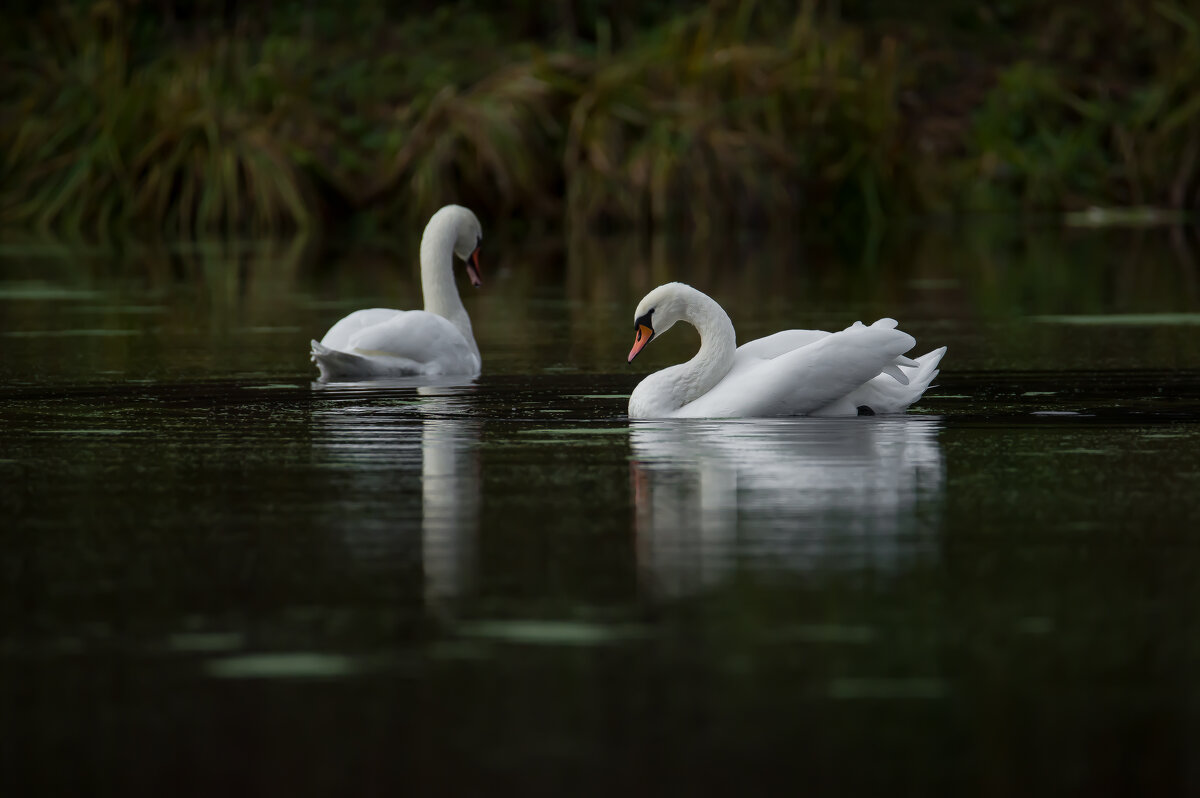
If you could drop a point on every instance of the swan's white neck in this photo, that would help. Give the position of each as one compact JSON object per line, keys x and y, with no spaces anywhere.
{"x":437,"y":274}
{"x":718,"y":342}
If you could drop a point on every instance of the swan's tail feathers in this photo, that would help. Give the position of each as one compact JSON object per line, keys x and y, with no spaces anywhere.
{"x":336,"y":365}
{"x":892,"y":396}
{"x":896,"y":373}
{"x":339,"y":366}
{"x":887,"y":393}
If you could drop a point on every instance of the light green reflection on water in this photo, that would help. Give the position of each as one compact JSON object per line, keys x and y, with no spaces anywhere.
{"x":97,"y":333}
{"x":550,"y":633}
{"x":291,"y":665}
{"x":1121,"y":319}
{"x":33,"y":290}
{"x":206,"y":641}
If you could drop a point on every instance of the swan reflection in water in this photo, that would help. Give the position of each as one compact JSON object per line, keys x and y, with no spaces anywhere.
{"x":801,"y":495}
{"x":408,"y":476}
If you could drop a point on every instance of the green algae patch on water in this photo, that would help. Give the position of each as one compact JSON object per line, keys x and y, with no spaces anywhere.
{"x":68,"y":333}
{"x":1123,"y":319}
{"x":551,"y":633}
{"x":35,"y":291}
{"x":206,"y":641}
{"x":284,"y":665}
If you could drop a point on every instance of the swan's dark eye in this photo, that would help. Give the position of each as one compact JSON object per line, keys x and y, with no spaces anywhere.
{"x":643,"y":321}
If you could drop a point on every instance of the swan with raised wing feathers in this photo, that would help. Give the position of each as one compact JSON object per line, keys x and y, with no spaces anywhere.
{"x":380,"y":342}
{"x":861,"y":370}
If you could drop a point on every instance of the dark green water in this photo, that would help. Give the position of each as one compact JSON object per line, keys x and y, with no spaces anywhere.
{"x":217,"y":577}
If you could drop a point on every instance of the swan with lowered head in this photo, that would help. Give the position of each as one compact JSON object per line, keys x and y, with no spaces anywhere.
{"x":381,"y":342}
{"x":859,"y":371}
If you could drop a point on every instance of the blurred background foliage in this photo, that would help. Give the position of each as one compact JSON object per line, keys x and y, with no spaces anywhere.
{"x":179,"y":118}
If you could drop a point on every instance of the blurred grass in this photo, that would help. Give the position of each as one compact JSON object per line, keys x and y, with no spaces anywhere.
{"x":734,"y":116}
{"x":1103,"y":109}
{"x":116,"y":117}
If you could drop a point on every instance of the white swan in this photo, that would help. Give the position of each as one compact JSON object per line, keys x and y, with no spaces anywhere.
{"x":381,"y":342}
{"x":860,"y":370}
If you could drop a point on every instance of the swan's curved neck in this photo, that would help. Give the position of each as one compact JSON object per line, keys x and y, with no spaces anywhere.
{"x":437,"y":273}
{"x":718,"y":342}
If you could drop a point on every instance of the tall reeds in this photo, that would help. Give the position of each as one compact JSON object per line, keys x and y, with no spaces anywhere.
{"x":1104,"y":108}
{"x":735,"y":114}
{"x":172,"y":149}
{"x":744,"y":111}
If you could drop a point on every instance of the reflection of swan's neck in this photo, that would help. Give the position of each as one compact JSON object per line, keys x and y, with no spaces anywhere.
{"x":718,"y":342}
{"x":450,"y":486}
{"x":437,"y":272}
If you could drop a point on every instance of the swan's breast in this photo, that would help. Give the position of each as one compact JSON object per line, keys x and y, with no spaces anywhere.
{"x":658,"y":395}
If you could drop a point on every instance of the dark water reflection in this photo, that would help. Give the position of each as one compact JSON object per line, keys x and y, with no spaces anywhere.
{"x":217,"y":576}
{"x":369,"y":443}
{"x":805,"y":495}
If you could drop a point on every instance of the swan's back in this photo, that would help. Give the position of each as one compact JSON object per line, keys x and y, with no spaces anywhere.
{"x":805,"y":379}
{"x":392,"y":343}
{"x":415,"y":334}
{"x":780,"y":343}
{"x":340,"y":333}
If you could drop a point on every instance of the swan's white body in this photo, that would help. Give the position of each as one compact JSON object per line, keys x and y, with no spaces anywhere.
{"x":790,"y":373}
{"x":381,"y":342}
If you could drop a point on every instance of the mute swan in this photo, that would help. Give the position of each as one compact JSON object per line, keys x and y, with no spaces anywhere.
{"x":860,"y":370}
{"x":380,"y":342}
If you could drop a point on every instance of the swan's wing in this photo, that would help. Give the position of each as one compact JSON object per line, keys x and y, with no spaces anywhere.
{"x":413,"y":334}
{"x":781,"y":342}
{"x":804,"y":379}
{"x":340,"y":333}
{"x":885,"y":394}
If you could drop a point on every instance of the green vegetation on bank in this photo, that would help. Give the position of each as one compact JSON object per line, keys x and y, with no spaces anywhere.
{"x":196,"y":118}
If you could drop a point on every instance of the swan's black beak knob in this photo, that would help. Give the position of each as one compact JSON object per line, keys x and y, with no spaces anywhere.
{"x":643,"y":333}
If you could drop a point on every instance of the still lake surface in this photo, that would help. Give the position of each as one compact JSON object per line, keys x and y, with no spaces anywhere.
{"x":219,"y":575}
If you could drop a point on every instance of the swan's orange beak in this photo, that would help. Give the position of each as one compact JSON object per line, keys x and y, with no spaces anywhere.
{"x":473,"y":268}
{"x":644,"y":334}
